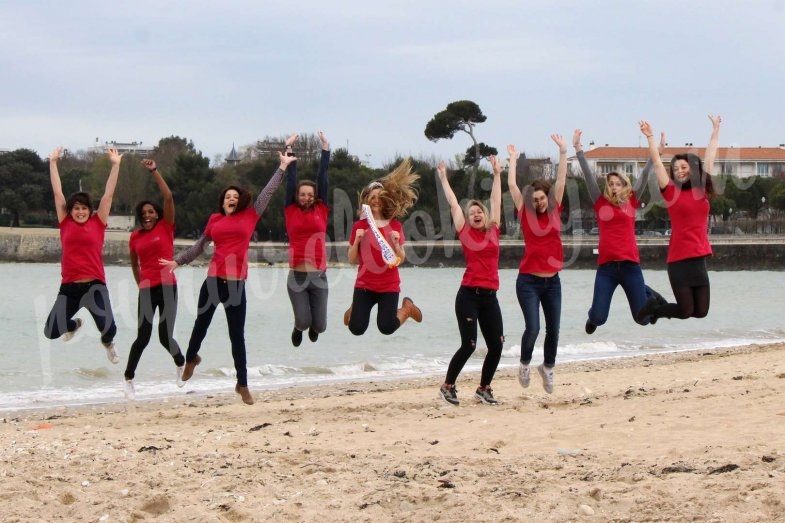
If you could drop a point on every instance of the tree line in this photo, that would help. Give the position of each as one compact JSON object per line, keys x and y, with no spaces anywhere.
{"x":26,"y":195}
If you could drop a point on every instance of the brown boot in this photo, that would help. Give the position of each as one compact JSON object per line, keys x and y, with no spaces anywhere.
{"x":347,"y":316}
{"x":244,"y":393}
{"x":409,"y":310}
{"x":188,"y":371}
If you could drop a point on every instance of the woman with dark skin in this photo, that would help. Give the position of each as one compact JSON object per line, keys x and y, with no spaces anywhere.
{"x":152,"y":241}
{"x":686,"y":190}
{"x":83,"y":281}
{"x":230,"y":229}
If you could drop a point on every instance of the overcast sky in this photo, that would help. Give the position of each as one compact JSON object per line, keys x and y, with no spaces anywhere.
{"x":371,"y":74}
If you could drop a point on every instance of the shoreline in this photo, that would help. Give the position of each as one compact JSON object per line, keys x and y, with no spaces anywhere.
{"x":674,"y":436}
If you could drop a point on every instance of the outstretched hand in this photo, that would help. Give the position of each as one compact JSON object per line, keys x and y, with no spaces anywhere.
{"x":55,"y":155}
{"x":576,"y":138}
{"x":715,"y":121}
{"x":291,"y":140}
{"x":645,"y":128}
{"x":114,"y":156}
{"x":559,"y":140}
{"x":168,"y":263}
{"x":495,"y":165}
{"x":285,"y":160}
{"x":325,"y":143}
{"x":661,"y":148}
{"x":513,"y":152}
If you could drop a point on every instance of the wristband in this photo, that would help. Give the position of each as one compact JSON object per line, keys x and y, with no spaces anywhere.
{"x":648,"y":135}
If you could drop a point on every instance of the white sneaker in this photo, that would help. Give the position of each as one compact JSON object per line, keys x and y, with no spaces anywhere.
{"x":547,"y":377}
{"x":524,"y":375}
{"x":130,"y":392}
{"x":111,"y":354}
{"x":68,"y":336}
{"x":179,"y":381}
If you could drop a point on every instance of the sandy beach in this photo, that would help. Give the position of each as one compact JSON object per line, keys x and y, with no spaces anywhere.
{"x":696,"y":436}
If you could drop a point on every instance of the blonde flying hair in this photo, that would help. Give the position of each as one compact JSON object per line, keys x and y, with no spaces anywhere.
{"x":397,"y":191}
{"x":626,"y":189}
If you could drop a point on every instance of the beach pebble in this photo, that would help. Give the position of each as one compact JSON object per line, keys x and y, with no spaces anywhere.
{"x":105,"y":517}
{"x":124,"y":493}
{"x":85,"y":483}
{"x":586,"y":510}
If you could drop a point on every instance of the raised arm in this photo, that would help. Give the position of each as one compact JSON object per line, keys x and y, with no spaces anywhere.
{"x":588,"y":174}
{"x":639,"y":187}
{"x":496,"y":191}
{"x":106,"y":200}
{"x":291,"y":172}
{"x":57,"y":186}
{"x":455,"y":208}
{"x":714,"y":141}
{"x":264,"y":196}
{"x":659,"y":169}
{"x":166,"y":193}
{"x":561,"y":173}
{"x":321,"y":175}
{"x":512,"y":182}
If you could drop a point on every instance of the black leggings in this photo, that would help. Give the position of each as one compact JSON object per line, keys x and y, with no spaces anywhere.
{"x":475,"y":306}
{"x":230,"y":294}
{"x":363,"y":301}
{"x":163,"y":298}
{"x":94,"y":296}
{"x":690,"y":283}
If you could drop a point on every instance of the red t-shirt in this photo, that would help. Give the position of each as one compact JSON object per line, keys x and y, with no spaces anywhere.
{"x":481,"y":250}
{"x":617,"y":230}
{"x":307,"y":231}
{"x":543,"y":251}
{"x":83,"y":245}
{"x":689,"y":213}
{"x":373,"y":273}
{"x":149,"y":247}
{"x":231,"y":235}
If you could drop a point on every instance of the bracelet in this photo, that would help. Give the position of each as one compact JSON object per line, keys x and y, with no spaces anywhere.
{"x":152,"y":170}
{"x":648,"y":135}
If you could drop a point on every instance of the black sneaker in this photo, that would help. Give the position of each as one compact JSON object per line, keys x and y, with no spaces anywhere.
{"x":313,"y":335}
{"x":449,"y":394}
{"x":485,"y":395}
{"x":297,"y":337}
{"x":590,"y":327}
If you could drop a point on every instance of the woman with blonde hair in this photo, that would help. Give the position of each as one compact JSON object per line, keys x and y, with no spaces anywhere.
{"x":619,"y":259}
{"x":376,"y":245}
{"x":476,"y":303}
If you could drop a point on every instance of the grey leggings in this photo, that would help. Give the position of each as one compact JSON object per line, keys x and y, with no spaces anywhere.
{"x":308,"y":294}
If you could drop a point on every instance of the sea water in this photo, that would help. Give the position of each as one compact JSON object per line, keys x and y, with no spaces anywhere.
{"x":746,"y":308}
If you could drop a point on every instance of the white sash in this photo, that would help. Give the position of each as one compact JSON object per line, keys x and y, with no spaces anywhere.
{"x":388,"y":254}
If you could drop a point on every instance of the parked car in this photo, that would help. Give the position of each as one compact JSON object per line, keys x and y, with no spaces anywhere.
{"x":595,"y":231}
{"x":578,"y":232}
{"x":651,"y":233}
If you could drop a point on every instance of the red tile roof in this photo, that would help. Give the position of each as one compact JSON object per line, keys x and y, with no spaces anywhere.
{"x":723,"y":153}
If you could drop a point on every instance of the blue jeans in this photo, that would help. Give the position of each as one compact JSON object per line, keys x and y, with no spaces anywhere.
{"x":610,"y":275}
{"x":533,"y":291}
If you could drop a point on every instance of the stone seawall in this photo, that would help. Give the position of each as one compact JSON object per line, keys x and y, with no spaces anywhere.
{"x":741,"y":253}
